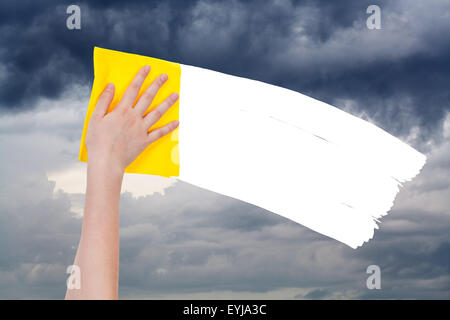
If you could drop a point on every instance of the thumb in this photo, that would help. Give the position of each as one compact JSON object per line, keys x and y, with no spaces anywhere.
{"x":104,"y":100}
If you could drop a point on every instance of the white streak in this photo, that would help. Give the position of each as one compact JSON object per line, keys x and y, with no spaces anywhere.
{"x":290,"y":154}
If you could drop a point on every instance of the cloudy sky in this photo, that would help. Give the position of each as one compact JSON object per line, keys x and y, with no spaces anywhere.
{"x":179,"y":241}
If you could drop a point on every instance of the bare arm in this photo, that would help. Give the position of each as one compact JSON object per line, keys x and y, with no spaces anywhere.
{"x":113,"y":141}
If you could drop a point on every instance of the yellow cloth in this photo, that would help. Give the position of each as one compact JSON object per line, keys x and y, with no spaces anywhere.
{"x":161,"y":157}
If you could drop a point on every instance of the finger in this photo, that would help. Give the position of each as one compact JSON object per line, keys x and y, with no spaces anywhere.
{"x":147,"y":97}
{"x":104,"y":101}
{"x":132,"y":91}
{"x":161,"y":132}
{"x":153,"y":116}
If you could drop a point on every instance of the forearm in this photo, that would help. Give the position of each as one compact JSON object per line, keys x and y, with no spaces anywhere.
{"x":113,"y":140}
{"x":98,"y":250}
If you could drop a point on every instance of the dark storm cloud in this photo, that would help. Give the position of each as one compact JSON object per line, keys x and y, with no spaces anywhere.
{"x":191,"y":240}
{"x":384,"y":88}
{"x":301,"y":45}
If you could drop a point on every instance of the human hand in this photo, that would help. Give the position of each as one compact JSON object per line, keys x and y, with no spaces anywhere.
{"x":118,"y":137}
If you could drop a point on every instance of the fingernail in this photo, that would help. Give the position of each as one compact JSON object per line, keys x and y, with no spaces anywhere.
{"x":109,"y":87}
{"x":174,"y":96}
{"x":147,"y":69}
{"x":176,"y":123}
{"x":164,"y":77}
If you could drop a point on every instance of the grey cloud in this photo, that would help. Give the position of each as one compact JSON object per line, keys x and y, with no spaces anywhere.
{"x":171,"y":243}
{"x":192,"y":242}
{"x":316,"y":294}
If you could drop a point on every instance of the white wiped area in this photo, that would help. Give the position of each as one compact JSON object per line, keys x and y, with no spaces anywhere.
{"x":290,"y":154}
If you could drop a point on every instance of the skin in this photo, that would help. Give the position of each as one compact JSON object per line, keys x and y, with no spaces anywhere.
{"x":113,"y":141}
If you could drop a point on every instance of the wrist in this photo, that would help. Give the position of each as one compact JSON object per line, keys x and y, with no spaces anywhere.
{"x":106,"y":164}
